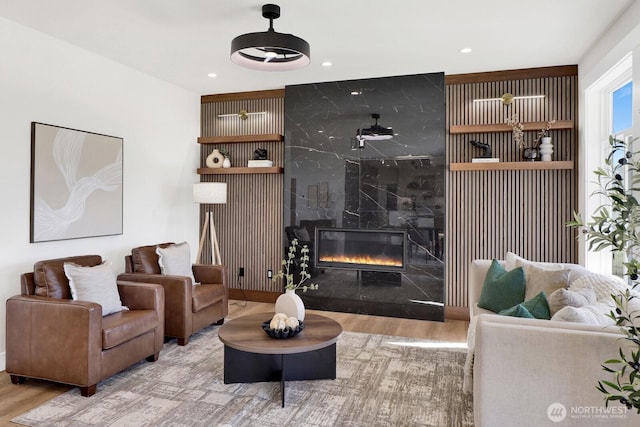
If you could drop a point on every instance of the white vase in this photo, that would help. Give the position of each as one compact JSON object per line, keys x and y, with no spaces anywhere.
{"x":215,"y":159}
{"x":546,"y":149}
{"x":226,"y":163}
{"x":290,"y":304}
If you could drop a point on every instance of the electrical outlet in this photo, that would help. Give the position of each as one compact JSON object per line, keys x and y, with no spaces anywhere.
{"x":241,"y":272}
{"x":269,"y":274}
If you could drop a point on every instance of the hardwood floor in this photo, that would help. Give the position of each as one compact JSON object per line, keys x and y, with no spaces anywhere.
{"x":16,"y":399}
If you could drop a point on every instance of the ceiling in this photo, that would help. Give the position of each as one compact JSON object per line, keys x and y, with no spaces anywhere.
{"x":182,"y":41}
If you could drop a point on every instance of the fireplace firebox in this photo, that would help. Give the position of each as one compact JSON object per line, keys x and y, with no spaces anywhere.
{"x":372,"y":250}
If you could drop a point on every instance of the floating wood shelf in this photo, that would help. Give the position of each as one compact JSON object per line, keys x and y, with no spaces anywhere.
{"x":268,"y":137}
{"x":502,"y":127}
{"x":238,"y":171}
{"x":511,"y":166}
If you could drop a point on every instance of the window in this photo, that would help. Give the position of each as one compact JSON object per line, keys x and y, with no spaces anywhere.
{"x":608,"y":111}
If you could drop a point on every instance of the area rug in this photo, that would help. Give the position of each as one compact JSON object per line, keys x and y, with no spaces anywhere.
{"x":381,"y":381}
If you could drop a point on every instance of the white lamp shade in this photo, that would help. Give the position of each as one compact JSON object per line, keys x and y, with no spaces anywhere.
{"x":210,"y":192}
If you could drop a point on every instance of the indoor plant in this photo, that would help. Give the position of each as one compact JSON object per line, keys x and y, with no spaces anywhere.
{"x":290,"y":303}
{"x":616,"y":226}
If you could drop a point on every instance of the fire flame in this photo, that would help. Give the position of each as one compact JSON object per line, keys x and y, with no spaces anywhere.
{"x":366,"y":260}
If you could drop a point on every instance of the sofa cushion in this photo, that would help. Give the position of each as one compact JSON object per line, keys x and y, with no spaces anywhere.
{"x":542,"y":280}
{"x":145,"y":258}
{"x":95,"y":284}
{"x":175,"y":260}
{"x":205,"y":296}
{"x":50,"y":279}
{"x":592,"y":314}
{"x":536,"y":307}
{"x":576,"y":271}
{"x":502,"y":289}
{"x":604,"y":285}
{"x":121,"y":327}
{"x":567,"y":297}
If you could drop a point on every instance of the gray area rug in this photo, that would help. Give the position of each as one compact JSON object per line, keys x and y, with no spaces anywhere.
{"x":381,"y":381}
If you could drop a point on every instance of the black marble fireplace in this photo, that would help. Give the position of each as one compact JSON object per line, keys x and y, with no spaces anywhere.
{"x":383,"y":194}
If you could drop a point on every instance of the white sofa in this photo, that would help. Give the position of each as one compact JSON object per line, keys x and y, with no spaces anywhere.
{"x":522,"y":367}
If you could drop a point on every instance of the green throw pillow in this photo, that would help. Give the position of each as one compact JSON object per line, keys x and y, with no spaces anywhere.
{"x":517,"y":311}
{"x":502,"y":289}
{"x":537,"y":307}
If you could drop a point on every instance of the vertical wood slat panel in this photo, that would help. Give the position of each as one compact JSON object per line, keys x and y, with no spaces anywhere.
{"x":249,"y":226}
{"x":492,"y":212}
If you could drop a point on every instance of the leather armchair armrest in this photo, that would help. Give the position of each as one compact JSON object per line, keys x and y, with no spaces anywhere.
{"x":205,"y":273}
{"x":141,"y":296}
{"x":178,"y":290}
{"x":145,"y":296}
{"x":47,"y":336}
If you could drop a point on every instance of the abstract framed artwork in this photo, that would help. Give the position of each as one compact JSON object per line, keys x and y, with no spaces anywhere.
{"x":76,"y":184}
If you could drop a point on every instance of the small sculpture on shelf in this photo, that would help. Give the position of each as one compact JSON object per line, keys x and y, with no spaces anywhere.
{"x":260,"y":154}
{"x":486,"y":149}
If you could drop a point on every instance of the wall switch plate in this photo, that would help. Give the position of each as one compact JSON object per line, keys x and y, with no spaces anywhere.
{"x":241,"y":272}
{"x":269,"y":274}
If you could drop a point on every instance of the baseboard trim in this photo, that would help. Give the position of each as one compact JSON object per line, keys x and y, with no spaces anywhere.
{"x":450,"y":312}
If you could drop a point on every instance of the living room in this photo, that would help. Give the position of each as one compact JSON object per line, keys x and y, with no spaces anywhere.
{"x":48,"y":79}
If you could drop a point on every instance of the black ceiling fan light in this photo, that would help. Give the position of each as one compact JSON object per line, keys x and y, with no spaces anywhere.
{"x":270,"y":50}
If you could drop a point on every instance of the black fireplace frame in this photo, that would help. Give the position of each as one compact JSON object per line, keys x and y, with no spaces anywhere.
{"x":363,"y":267}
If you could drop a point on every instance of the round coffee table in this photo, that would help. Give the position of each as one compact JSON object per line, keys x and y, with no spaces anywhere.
{"x":250,"y":355}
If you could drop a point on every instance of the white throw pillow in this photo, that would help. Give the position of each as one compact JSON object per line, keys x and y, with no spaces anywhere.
{"x":540,"y":279}
{"x":603,"y":285}
{"x":95,"y":284}
{"x":175,"y":260}
{"x":575,"y":298}
{"x":592,"y":314}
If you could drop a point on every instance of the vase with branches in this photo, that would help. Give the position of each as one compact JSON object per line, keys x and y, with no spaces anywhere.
{"x":616,"y":226}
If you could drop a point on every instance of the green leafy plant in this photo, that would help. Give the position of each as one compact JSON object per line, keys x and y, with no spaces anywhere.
{"x":288,"y":265}
{"x":616,"y":226}
{"x":225,"y":153}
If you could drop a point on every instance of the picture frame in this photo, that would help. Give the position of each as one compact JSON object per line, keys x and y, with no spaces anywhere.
{"x":76,"y":184}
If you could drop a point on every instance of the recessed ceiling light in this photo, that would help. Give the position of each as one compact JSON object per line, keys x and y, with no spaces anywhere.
{"x":466,"y":50}
{"x":327,"y":64}
{"x":356,"y":92}
{"x":212,"y":75}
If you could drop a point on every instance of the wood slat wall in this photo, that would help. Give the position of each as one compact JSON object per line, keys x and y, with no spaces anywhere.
{"x":523,"y":211}
{"x":249,"y":226}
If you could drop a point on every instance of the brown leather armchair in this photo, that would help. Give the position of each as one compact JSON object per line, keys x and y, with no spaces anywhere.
{"x":188,"y":308}
{"x":52,"y":337}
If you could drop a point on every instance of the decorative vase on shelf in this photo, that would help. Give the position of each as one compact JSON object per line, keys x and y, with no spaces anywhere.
{"x":530,"y":154}
{"x":546,"y":148}
{"x":215,"y":159}
{"x":290,"y":304}
{"x":226,"y":163}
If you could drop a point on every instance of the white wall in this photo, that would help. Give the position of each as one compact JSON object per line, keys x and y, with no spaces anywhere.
{"x":622,"y":38}
{"x":43,"y":79}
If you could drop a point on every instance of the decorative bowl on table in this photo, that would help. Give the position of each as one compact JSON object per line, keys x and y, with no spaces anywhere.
{"x":287,"y":332}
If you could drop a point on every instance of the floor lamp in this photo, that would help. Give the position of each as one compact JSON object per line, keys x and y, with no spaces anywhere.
{"x":207,"y":193}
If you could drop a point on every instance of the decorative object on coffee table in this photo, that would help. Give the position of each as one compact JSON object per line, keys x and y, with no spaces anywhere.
{"x":289,"y":303}
{"x":290,"y":327}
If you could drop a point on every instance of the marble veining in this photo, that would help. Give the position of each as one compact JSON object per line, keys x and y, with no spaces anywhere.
{"x":397,"y":183}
